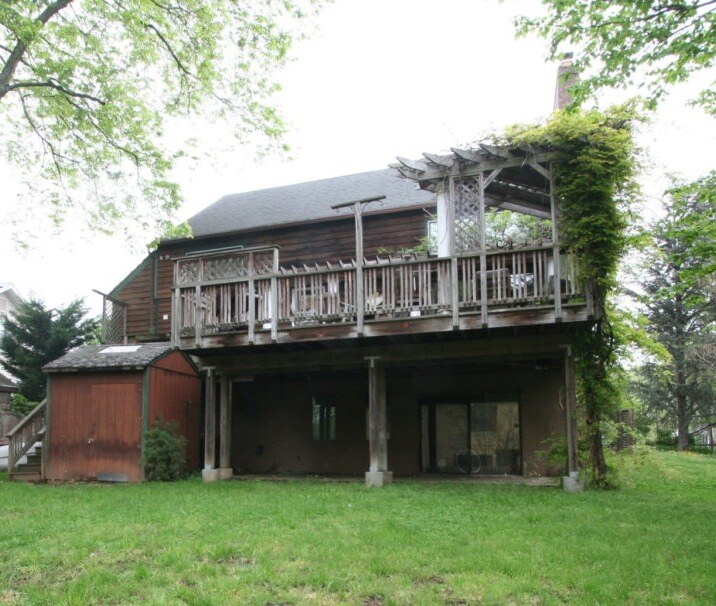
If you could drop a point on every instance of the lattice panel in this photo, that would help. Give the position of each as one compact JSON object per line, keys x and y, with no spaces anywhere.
{"x":188,"y":272}
{"x":467,"y":214}
{"x":263,"y":263}
{"x":226,"y":267}
{"x":113,"y":321}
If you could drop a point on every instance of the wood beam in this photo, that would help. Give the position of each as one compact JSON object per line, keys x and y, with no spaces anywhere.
{"x":210,"y":419}
{"x":378,"y":473}
{"x":225,"y":424}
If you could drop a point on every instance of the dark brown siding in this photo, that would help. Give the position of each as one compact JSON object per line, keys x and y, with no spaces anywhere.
{"x":311,"y":243}
{"x":138,"y":296}
{"x":174,"y":392}
{"x":95,"y":426}
{"x":272,"y":416}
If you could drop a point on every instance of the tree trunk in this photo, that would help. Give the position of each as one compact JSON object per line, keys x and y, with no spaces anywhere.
{"x":682,"y":420}
{"x":596,"y":448}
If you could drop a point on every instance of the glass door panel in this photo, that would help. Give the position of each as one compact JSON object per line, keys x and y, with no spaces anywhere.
{"x":495,"y":437}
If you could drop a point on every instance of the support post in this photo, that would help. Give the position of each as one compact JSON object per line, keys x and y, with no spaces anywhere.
{"x":357,"y":206}
{"x":360,"y":287}
{"x":570,"y":482}
{"x":483,"y":248}
{"x":252,"y":301}
{"x":225,"y":470}
{"x":554,"y":213}
{"x":210,"y":473}
{"x":198,"y":304}
{"x":378,"y":474}
{"x":274,"y":297}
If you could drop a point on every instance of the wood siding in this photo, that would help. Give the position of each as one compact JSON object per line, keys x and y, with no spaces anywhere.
{"x":95,"y":426}
{"x":174,"y":395}
{"x":310,"y":243}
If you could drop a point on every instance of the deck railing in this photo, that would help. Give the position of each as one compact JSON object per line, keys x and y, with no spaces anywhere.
{"x":253,"y":293}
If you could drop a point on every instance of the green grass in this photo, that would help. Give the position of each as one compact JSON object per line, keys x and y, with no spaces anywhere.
{"x":311,"y":542}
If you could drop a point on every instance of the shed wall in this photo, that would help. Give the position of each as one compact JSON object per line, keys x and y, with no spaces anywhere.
{"x":174,"y":395}
{"x":95,"y":426}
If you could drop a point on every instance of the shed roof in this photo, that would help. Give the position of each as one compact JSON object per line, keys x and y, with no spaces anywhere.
{"x":109,"y":357}
{"x":307,"y":201}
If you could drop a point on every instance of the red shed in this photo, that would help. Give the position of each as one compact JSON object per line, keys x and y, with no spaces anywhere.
{"x":103,"y":398}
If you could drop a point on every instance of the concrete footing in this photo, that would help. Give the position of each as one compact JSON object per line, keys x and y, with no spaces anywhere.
{"x":572,"y":483}
{"x":210,"y":475}
{"x":378,"y":478}
{"x":213,"y":475}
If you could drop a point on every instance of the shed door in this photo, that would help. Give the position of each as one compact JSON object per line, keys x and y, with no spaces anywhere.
{"x":114,"y":443}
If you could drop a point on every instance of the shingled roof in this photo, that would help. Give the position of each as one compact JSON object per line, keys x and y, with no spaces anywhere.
{"x":306,"y":202}
{"x":109,"y":357}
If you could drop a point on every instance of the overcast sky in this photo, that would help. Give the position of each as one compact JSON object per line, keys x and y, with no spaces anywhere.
{"x":377,"y":79}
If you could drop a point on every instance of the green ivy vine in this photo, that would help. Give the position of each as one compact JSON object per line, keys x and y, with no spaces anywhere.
{"x":594,"y":166}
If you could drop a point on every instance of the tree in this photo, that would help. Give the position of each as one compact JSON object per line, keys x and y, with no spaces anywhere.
{"x":679,"y":299}
{"x":37,"y":335}
{"x":87,"y":87}
{"x":670,"y":39}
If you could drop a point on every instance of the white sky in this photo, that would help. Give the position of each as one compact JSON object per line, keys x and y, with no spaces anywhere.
{"x":379,"y":78}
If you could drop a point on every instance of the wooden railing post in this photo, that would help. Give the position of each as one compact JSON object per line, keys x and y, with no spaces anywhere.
{"x":360,"y":286}
{"x":252,"y":301}
{"x":198,"y":304}
{"x":454,"y":293}
{"x":274,"y":298}
{"x":555,"y":249}
{"x":483,"y":249}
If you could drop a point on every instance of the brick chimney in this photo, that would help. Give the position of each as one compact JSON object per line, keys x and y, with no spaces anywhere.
{"x":566,"y":78}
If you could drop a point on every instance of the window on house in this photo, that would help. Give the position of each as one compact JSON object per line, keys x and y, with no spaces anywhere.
{"x":324,"y":421}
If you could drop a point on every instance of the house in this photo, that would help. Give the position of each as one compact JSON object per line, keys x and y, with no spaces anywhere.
{"x":331,"y":343}
{"x":417,"y":319}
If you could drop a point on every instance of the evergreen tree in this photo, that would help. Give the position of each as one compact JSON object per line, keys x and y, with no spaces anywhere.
{"x":37,"y":335}
{"x":678,"y":295}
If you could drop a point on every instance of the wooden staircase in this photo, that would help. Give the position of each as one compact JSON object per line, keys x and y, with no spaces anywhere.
{"x":26,"y":439}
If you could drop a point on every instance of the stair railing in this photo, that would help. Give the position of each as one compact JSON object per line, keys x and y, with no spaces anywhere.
{"x":24,"y":435}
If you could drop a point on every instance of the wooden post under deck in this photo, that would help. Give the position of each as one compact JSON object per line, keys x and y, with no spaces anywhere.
{"x":571,"y":481}
{"x":210,"y":473}
{"x":225,"y":470}
{"x":378,"y":473}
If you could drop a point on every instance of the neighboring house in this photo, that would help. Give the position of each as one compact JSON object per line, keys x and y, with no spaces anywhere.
{"x":9,"y":300}
{"x":7,"y":420}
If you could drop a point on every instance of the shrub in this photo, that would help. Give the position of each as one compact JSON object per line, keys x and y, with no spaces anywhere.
{"x":164,"y":453}
{"x":20,"y":405}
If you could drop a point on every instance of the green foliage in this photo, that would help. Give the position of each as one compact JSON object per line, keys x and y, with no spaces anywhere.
{"x":164,"y":453}
{"x":86,"y":89}
{"x":654,"y":43}
{"x":20,"y":405}
{"x":594,"y":167}
{"x":678,"y":298}
{"x":509,"y":229}
{"x":36,"y":335}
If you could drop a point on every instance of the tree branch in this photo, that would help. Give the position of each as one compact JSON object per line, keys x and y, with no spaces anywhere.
{"x":57,"y":87}
{"x":19,"y":50}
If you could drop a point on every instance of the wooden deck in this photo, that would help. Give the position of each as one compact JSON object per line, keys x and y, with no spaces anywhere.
{"x":246,"y":297}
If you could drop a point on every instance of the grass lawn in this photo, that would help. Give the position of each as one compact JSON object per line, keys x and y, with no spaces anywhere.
{"x":312,"y":542}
